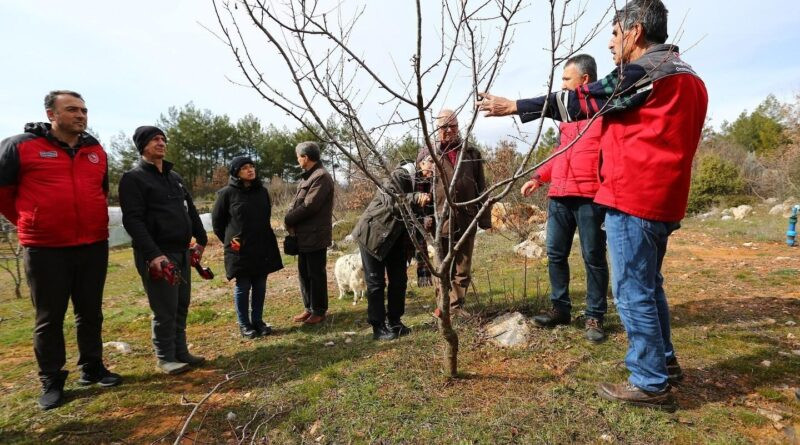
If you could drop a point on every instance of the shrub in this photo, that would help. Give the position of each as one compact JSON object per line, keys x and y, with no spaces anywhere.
{"x":713,"y":179}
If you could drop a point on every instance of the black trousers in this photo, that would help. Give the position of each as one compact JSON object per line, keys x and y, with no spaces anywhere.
{"x":376,"y":273}
{"x":313,"y":281}
{"x":55,"y":274}
{"x":170,"y":306}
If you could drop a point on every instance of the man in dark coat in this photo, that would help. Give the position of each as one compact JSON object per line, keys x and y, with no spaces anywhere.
{"x":241,"y":220}
{"x":469,"y":184}
{"x":160,"y":216}
{"x":382,"y":237}
{"x":310,"y":219}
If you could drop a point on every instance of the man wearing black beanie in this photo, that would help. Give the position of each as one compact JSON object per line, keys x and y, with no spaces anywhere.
{"x":160,"y":216}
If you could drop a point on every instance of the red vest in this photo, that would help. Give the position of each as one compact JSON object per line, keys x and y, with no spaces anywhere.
{"x":574,"y":172}
{"x":60,"y":200}
{"x":646,"y":152}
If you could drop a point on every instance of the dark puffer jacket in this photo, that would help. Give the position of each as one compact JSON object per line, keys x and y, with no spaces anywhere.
{"x":470,"y":183}
{"x":381,"y":224}
{"x":311,"y":214}
{"x":244,"y":213}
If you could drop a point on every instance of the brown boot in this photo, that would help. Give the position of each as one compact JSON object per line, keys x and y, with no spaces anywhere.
{"x":627,"y":393}
{"x":314,"y":319}
{"x":299,"y":318}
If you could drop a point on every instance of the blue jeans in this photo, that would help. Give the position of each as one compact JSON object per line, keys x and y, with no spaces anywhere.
{"x":636,"y":248}
{"x":564,"y":215}
{"x":250,"y":308}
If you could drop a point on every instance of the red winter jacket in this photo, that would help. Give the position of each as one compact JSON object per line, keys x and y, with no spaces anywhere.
{"x":653,"y":113}
{"x":574,"y":173}
{"x":54,"y":199}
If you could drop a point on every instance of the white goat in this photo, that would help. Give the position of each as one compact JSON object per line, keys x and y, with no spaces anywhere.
{"x":350,"y":276}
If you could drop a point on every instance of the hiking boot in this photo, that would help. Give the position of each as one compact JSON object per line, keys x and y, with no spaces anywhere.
{"x":172,"y":368}
{"x":551,"y":318}
{"x":299,"y":318}
{"x":103,"y":377}
{"x":52,"y":392}
{"x":314,"y":319}
{"x":382,"y":332}
{"x":189,"y":359}
{"x":674,"y":371}
{"x":594,"y":330}
{"x":262,"y":328}
{"x":399,"y":329}
{"x":248,"y":331}
{"x":627,"y":393}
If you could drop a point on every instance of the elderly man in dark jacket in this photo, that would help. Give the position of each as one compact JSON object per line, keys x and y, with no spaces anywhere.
{"x":469,"y":184}
{"x":160,"y":216}
{"x":241,"y":221}
{"x":310,"y":219}
{"x":382,"y":238}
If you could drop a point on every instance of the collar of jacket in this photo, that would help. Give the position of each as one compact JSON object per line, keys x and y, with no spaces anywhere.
{"x":237,"y":182}
{"x":166,"y":167}
{"x":306,"y":174}
{"x":43,"y":129}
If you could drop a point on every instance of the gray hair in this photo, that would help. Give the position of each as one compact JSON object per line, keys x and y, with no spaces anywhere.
{"x":50,"y":99}
{"x":651,"y":14}
{"x":309,"y":149}
{"x":585,"y":65}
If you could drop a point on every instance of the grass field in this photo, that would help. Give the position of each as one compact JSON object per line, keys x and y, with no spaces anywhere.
{"x":734,"y":307}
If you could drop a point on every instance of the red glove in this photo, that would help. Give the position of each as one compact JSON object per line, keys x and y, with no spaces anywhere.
{"x":196,"y":251}
{"x":167,"y":272}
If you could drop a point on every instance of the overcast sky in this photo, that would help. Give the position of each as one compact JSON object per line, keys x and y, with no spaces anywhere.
{"x":132,"y":60}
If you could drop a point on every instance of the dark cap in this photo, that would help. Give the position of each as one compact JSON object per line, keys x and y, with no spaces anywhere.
{"x":145,"y":134}
{"x":238,"y":162}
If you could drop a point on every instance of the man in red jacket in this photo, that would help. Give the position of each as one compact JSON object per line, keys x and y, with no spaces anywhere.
{"x":653,"y":108}
{"x":53,"y":187}
{"x":573,"y":184}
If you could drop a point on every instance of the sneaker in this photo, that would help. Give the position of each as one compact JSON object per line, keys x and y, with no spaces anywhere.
{"x":172,"y":368}
{"x":594,"y":330}
{"x":632,"y":395}
{"x":262,"y":328}
{"x":674,"y":371}
{"x":399,"y":329}
{"x":248,"y":331}
{"x":190,"y":359}
{"x":299,"y":318}
{"x":104,"y":378}
{"x":314,"y":319}
{"x":382,"y":332}
{"x":52,"y":394}
{"x":551,"y":318}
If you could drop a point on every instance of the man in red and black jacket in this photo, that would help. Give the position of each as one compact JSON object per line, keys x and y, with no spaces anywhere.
{"x":653,"y":106}
{"x":53,"y":187}
{"x":573,"y":183}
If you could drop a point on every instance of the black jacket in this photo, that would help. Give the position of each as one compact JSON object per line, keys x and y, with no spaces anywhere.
{"x":245,"y":213}
{"x":381,"y":224}
{"x":311,"y":214}
{"x":157,"y":210}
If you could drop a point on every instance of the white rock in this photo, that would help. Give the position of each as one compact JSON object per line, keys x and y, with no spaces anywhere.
{"x":348,"y":340}
{"x":747,"y":244}
{"x":349,"y":333}
{"x":779,"y":209}
{"x":771,"y":200}
{"x":120,"y":346}
{"x":796,"y":351}
{"x":742,"y":212}
{"x":330,"y":343}
{"x":509,"y":330}
{"x":727,"y":218}
{"x":230,"y":416}
{"x":607,"y":438}
{"x":529,"y":249}
{"x":766,"y":363}
{"x":791,"y":323}
{"x":771,"y":415}
{"x":348,"y":239}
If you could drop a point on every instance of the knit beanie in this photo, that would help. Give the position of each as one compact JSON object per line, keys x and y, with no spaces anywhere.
{"x":145,"y":134}
{"x":238,"y":162}
{"x":423,"y":153}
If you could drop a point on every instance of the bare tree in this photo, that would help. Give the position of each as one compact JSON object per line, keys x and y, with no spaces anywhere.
{"x":11,"y":254}
{"x":331,"y":83}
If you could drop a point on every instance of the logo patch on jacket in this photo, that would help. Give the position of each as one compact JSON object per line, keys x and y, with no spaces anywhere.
{"x":48,"y":154}
{"x":93,"y":158}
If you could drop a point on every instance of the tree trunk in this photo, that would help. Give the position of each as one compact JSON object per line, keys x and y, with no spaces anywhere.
{"x":444,"y":323}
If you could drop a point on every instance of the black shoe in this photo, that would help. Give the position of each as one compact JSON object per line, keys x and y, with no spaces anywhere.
{"x":248,"y":332}
{"x":52,"y":393}
{"x":594,"y":330}
{"x":399,"y":329}
{"x":103,"y":377}
{"x":551,"y":318}
{"x":674,"y":371}
{"x":382,"y":332}
{"x":262,"y":328}
{"x":627,"y":393}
